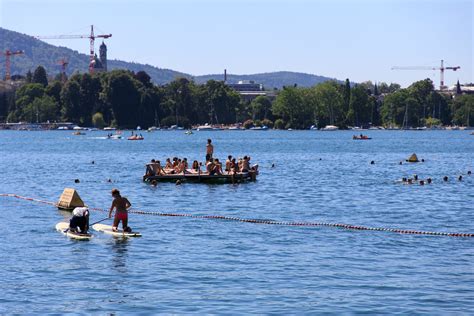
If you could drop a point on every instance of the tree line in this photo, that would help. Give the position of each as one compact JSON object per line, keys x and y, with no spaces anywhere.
{"x":126,"y":99}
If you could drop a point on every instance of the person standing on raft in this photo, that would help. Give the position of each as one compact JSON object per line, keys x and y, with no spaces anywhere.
{"x":121,"y":205}
{"x":209,"y":150}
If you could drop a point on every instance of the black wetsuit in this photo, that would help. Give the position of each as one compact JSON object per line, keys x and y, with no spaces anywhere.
{"x":81,"y":222}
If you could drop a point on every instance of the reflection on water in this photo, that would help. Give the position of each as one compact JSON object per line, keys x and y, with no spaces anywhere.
{"x":119,"y":247}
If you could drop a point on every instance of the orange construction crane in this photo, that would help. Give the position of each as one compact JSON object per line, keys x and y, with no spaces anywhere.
{"x":7,"y":55}
{"x":63,"y":62}
{"x":441,"y":69}
{"x":91,"y":37}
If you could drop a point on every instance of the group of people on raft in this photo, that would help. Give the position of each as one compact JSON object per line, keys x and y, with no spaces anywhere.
{"x":212,"y":165}
{"x":361,"y":136}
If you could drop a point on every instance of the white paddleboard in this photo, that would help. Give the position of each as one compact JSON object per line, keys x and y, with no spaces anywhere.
{"x":120,"y":233}
{"x":63,"y":226}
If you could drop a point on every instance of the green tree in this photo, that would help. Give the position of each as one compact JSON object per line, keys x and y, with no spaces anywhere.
{"x":359,"y":113}
{"x":3,"y":107}
{"x":261,"y":108}
{"x":289,"y":105}
{"x":121,"y":93}
{"x":394,"y":107}
{"x":346,"y":95}
{"x":98,"y":120}
{"x":71,"y":101}
{"x":29,"y":77}
{"x":463,"y":110}
{"x":329,"y":103}
{"x":279,"y":124}
{"x":40,"y":76}
{"x":24,"y":96}
{"x":41,"y":109}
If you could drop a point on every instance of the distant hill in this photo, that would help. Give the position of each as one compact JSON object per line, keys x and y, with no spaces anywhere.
{"x":40,"y":53}
{"x":270,"y":79}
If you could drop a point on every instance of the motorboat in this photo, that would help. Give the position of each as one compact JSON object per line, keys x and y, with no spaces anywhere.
{"x":330,"y":128}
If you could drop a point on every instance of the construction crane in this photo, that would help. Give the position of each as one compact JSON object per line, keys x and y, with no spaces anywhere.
{"x":63,"y":62}
{"x":90,"y":36}
{"x":441,"y":69}
{"x":8,"y":54}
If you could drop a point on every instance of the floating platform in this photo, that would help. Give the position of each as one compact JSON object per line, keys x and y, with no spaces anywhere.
{"x":204,"y":177}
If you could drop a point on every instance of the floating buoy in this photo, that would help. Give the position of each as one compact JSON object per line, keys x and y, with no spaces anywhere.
{"x":70,"y":199}
{"x":413,"y":158}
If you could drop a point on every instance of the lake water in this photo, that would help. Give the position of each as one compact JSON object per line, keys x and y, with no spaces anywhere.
{"x":189,"y":265}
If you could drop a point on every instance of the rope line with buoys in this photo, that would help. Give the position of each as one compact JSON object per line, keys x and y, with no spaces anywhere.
{"x":264,"y":221}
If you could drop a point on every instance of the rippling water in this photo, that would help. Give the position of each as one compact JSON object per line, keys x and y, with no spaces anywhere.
{"x":185,"y":265}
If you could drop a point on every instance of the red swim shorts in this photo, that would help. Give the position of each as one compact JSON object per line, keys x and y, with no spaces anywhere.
{"x":121,"y":216}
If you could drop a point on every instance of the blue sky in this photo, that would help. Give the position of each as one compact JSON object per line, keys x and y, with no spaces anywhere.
{"x":359,"y":40}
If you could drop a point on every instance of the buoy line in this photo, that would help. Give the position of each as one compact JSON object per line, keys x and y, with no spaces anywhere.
{"x":263,"y":221}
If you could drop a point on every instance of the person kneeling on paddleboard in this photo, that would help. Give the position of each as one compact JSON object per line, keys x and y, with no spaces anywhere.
{"x":121,"y":205}
{"x":79,"y":223}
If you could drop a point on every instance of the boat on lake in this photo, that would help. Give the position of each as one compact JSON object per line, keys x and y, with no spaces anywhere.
{"x":361,"y":137}
{"x":136,"y":137}
{"x":259,"y":128}
{"x":330,"y":128}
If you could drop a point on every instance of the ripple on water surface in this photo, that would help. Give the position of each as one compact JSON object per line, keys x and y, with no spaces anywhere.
{"x":186,"y":265}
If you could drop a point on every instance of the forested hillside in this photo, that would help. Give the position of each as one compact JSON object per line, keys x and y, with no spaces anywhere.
{"x":39,"y":53}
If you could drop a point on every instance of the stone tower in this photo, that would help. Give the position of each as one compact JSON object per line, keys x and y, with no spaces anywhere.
{"x":103,"y":56}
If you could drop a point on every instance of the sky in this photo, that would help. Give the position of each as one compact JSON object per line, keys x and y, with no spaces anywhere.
{"x":360,"y":39}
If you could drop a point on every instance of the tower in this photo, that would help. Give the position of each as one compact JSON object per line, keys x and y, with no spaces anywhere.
{"x":103,"y":55}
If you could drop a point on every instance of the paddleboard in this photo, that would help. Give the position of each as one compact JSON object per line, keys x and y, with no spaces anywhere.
{"x":62,"y":226}
{"x":120,"y":233}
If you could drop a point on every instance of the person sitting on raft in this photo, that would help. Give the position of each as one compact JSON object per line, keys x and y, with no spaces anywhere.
{"x":121,"y":206}
{"x":245,"y":164}
{"x":79,"y":223}
{"x":168,"y":164}
{"x":169,"y":167}
{"x":228,"y":163}
{"x":210,"y":166}
{"x":217,"y":167}
{"x":195,"y":166}
{"x":154,"y":168}
{"x":184,"y":164}
{"x":149,"y":168}
{"x":234,"y":167}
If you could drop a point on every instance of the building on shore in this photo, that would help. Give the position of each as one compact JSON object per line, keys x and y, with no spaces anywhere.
{"x":249,"y":90}
{"x":100,"y":63}
{"x":461,"y":88}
